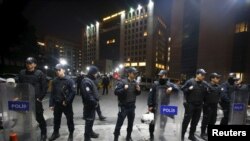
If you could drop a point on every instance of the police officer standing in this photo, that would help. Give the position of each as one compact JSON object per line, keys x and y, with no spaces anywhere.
{"x":210,"y":104}
{"x":194,"y":91}
{"x":37,"y":79}
{"x":126,"y":89}
{"x":227,"y":89}
{"x":152,"y":98}
{"x":91,"y":101}
{"x":61,"y":98}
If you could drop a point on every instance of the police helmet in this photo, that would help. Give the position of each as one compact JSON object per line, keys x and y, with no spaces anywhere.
{"x":59,"y":66}
{"x":92,"y":70}
{"x":201,"y":71}
{"x":214,"y":74}
{"x":232,"y":76}
{"x":30,"y":60}
{"x":132,"y":70}
{"x":163,"y":72}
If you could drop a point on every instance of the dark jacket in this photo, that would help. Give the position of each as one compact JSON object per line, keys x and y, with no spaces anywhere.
{"x":214,"y":94}
{"x":63,"y":89}
{"x":226,"y":92}
{"x":197,"y":94}
{"x":89,"y":91}
{"x":37,"y":79}
{"x":152,"y":96}
{"x":129,"y":95}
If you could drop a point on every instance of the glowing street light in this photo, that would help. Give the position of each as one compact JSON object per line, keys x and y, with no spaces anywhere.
{"x":63,"y":61}
{"x":121,"y":66}
{"x":87,"y":68}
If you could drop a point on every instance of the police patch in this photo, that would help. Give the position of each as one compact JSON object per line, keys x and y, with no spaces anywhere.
{"x":87,"y":89}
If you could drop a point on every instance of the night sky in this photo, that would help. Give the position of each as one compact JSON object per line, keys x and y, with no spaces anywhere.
{"x":65,"y":18}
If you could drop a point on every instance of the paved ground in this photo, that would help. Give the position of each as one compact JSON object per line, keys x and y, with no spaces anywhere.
{"x":105,"y":128}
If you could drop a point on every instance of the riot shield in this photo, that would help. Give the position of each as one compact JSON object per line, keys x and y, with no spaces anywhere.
{"x":238,"y":106}
{"x":18,"y":112}
{"x":169,"y":115}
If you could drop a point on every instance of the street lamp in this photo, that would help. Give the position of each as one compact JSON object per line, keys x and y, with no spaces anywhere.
{"x":63,"y":61}
{"x":46,"y":68}
{"x":121,"y":66}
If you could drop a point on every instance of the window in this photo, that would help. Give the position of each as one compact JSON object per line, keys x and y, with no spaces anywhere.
{"x":241,"y":27}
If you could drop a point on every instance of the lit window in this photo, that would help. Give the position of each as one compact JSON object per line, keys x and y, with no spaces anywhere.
{"x":159,"y":32}
{"x":127,"y":64}
{"x":134,"y":64}
{"x":108,"y":42}
{"x":145,"y":33}
{"x":241,"y":27}
{"x":142,"y":63}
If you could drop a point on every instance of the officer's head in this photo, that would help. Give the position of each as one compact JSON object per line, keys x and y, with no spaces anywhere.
{"x":132,"y":72}
{"x":215,"y":78}
{"x":60,"y":70}
{"x":30,"y":63}
{"x":200,"y":74}
{"x":232,"y":78}
{"x":163,"y":74}
{"x":93,"y":70}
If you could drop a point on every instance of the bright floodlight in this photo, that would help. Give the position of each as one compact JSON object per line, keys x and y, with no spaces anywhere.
{"x":139,"y":7}
{"x":63,"y":61}
{"x":87,"y":68}
{"x":151,"y":3}
{"x":121,"y":66}
{"x":46,"y":67}
{"x":117,"y":69}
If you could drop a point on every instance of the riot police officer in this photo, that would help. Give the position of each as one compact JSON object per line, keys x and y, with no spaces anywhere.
{"x":227,"y":89}
{"x":126,"y":90}
{"x":152,"y":98}
{"x":194,"y":91}
{"x":210,"y":104}
{"x":91,"y":101}
{"x":37,"y":79}
{"x":61,"y":98}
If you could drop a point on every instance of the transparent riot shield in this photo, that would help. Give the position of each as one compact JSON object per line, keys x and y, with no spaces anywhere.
{"x":18,"y":112}
{"x":169,"y":115}
{"x":238,"y":106}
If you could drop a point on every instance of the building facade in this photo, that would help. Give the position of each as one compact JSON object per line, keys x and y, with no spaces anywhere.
{"x":136,"y":37}
{"x":210,"y":34}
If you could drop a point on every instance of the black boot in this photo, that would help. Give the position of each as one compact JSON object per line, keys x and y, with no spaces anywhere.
{"x":116,"y":138}
{"x":94,"y":135}
{"x":151,"y":137}
{"x":87,"y":138}
{"x":192,"y":138}
{"x":43,"y":137}
{"x":128,"y":138}
{"x":54,"y":136}
{"x":70,"y":138}
{"x":102,"y":118}
{"x":204,"y":136}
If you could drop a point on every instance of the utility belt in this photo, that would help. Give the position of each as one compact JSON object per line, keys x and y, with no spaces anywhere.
{"x":127,"y":105}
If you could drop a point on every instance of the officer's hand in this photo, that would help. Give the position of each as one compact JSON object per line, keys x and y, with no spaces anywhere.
{"x":191,"y":88}
{"x":51,"y":108}
{"x":150,"y":109}
{"x":64,"y":103}
{"x":126,"y":87}
{"x":38,"y":100}
{"x":137,"y":87}
{"x":169,"y":90}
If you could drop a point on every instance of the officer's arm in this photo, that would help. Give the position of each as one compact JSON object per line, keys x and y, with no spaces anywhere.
{"x":119,"y":89}
{"x":72,"y":91}
{"x":44,"y":86}
{"x":174,"y":87}
{"x":137,"y":92}
{"x":51,"y":98}
{"x":224,"y":95}
{"x":151,"y":96}
{"x":88,"y":94}
{"x":185,"y":87}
